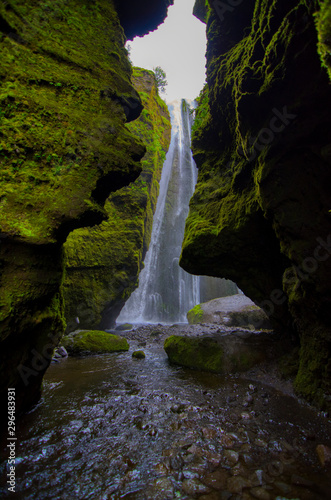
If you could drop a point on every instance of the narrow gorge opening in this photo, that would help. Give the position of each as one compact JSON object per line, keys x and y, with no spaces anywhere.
{"x":166,"y":292}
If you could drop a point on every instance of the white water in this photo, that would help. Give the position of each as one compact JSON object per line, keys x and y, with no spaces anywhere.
{"x":166,"y":292}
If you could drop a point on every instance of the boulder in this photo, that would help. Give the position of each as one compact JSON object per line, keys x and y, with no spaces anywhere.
{"x":235,"y":351}
{"x":92,"y":341}
{"x":235,"y":310}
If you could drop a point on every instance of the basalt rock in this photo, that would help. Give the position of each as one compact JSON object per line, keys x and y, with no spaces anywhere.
{"x":138,"y":18}
{"x":260,"y":215}
{"x":65,"y":98}
{"x":230,"y":352}
{"x":235,"y":310}
{"x":84,"y":342}
{"x":103,"y":262}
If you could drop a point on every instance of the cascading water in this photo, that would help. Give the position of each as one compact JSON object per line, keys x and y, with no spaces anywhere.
{"x":166,"y":292}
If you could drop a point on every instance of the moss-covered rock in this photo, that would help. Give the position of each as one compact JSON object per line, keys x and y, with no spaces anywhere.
{"x":233,"y":352}
{"x":138,"y":355}
{"x":195,"y":315}
{"x":235,"y":310}
{"x":199,"y":353}
{"x":260,"y":215}
{"x":65,"y":98}
{"x":93,"y":342}
{"x":103,"y":262}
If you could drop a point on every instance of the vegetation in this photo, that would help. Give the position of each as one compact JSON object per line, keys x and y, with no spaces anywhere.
{"x":161,"y":78}
{"x":92,"y":342}
{"x":103,"y":262}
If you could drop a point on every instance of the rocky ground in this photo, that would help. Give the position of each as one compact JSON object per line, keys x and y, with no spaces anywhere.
{"x":150,"y":335}
{"x":142,"y":429}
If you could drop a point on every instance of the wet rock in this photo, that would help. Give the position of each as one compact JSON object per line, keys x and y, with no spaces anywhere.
{"x":188,"y":474}
{"x":138,"y":355}
{"x":282,"y":487}
{"x":324,"y":455}
{"x":231,"y":457}
{"x":209,"y":433}
{"x":92,"y":341}
{"x":236,"y":484}
{"x":163,"y":489}
{"x":260,"y":493}
{"x":124,"y":327}
{"x":234,"y":310}
{"x":216,"y":479}
{"x":246,"y":416}
{"x":275,"y":468}
{"x":213,"y":496}
{"x":228,"y":440}
{"x":260,"y":443}
{"x":301,"y":481}
{"x":257,"y":478}
{"x":194,"y":487}
{"x":176,"y":462}
{"x":232,"y":352}
{"x":62,"y":351}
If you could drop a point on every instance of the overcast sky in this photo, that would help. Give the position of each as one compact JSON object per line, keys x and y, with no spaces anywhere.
{"x":178,"y":46}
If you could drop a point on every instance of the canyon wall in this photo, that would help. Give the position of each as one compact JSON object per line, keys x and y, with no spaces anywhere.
{"x":260,"y":215}
{"x":103,"y":262}
{"x":65,"y":97}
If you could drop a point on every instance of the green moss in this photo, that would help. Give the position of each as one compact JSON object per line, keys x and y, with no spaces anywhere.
{"x":61,"y":113}
{"x":195,"y":315}
{"x":201,"y":354}
{"x":255,"y":194}
{"x":103,"y":262}
{"x":94,"y":342}
{"x":64,"y":146}
{"x":314,"y":374}
{"x":323,"y":25}
{"x":138,"y":355}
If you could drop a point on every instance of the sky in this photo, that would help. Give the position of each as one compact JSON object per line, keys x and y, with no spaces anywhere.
{"x":178,"y":46}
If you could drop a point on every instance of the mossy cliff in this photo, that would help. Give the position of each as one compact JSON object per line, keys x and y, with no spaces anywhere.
{"x":260,"y":215}
{"x":103,"y":262}
{"x":65,"y":97}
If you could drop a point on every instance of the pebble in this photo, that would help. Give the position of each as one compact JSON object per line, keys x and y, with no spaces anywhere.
{"x":228,"y":440}
{"x":216,"y":479}
{"x":209,"y":433}
{"x":282,"y":487}
{"x":324,"y":455}
{"x":260,"y":493}
{"x":231,"y":457}
{"x":194,"y":487}
{"x":236,"y":484}
{"x":162,"y":489}
{"x":275,"y":468}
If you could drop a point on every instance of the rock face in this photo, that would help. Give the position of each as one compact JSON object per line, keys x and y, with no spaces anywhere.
{"x":103,"y":262}
{"x":235,"y":310}
{"x":260,"y":215}
{"x":138,"y":18}
{"x":65,"y":96}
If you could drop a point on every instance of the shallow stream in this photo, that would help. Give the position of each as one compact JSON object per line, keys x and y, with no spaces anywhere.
{"x":114,"y":427}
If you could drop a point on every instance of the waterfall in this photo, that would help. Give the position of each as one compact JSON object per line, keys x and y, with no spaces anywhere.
{"x":166,"y":292}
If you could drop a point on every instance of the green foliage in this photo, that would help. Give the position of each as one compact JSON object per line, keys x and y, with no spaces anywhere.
{"x":161,"y":78}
